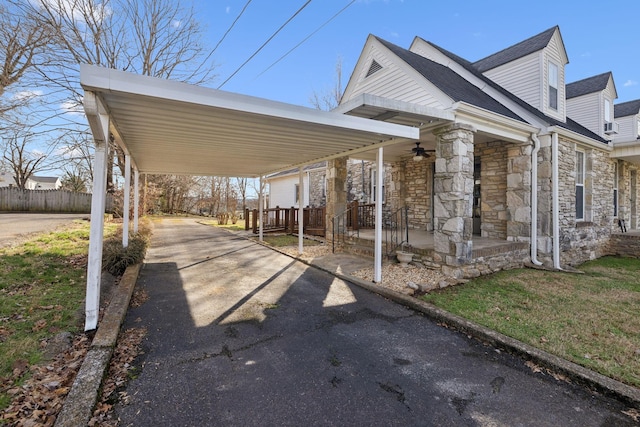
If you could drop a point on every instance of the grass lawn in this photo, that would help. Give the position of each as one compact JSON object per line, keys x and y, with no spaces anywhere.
{"x":42,"y":288}
{"x":592,"y":319}
{"x":238,"y":226}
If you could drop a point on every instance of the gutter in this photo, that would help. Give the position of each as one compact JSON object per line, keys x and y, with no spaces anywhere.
{"x":555,"y":201}
{"x":534,"y":200}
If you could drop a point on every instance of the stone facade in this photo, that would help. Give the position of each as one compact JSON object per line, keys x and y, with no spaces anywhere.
{"x":317,"y":188}
{"x":492,"y":157}
{"x":336,"y":192}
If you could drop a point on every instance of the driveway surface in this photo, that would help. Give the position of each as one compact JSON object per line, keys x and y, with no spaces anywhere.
{"x":16,"y":226}
{"x":241,"y":335}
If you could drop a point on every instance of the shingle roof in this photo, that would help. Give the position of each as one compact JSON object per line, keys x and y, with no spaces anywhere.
{"x":524,"y":48}
{"x":589,"y":85}
{"x":625,"y":109}
{"x":448,"y":81}
{"x":292,"y":171}
{"x":569,"y":124}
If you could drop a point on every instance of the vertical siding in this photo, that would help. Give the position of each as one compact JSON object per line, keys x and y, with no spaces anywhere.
{"x":390,"y":82}
{"x":520,"y":77}
{"x":15,"y":200}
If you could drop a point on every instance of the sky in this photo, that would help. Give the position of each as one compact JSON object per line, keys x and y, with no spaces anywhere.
{"x":600,"y":37}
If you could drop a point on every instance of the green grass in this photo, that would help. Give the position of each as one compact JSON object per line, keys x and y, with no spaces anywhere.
{"x":591,"y":319}
{"x":42,"y":288}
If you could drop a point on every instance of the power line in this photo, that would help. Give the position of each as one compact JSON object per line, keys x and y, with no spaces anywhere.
{"x":227,"y":32}
{"x":265,"y":43}
{"x":306,"y":38}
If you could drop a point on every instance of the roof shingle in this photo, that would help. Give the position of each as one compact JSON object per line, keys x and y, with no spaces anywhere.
{"x":589,"y":85}
{"x":625,"y":109}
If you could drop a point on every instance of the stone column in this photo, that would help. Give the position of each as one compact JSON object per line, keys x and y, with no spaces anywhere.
{"x":453,"y":201}
{"x":336,"y":193}
{"x":519,"y":193}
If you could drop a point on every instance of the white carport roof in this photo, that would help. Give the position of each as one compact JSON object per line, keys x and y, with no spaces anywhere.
{"x":169,"y":127}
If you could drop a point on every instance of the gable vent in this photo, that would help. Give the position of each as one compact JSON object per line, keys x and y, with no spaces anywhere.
{"x":373,"y":68}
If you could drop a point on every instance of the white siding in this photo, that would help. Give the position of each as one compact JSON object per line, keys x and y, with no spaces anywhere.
{"x":282,"y":191}
{"x":628,"y":129}
{"x":552,"y":53}
{"x":390,"y":82}
{"x":520,"y":77}
{"x":588,"y":111}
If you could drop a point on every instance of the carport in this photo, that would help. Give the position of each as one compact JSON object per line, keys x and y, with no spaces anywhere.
{"x":168,"y":127}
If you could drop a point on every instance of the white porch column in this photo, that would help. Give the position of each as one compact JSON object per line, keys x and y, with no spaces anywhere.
{"x":261,"y":210}
{"x":136,"y":199}
{"x":377,"y":268}
{"x":98,"y":201}
{"x":126,"y":202}
{"x":301,"y":211}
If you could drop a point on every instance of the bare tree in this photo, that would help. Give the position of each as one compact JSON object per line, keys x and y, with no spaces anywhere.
{"x":331,"y":97}
{"x":19,"y":157}
{"x":22,"y":44}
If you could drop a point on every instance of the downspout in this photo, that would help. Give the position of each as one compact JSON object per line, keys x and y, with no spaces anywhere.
{"x":534,"y":200}
{"x":555,"y":201}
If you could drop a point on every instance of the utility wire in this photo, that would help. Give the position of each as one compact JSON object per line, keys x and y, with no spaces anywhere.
{"x":306,"y":38}
{"x":265,"y":43}
{"x":227,"y":32}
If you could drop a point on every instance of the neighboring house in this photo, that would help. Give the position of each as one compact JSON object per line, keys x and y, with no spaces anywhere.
{"x":43,"y":183}
{"x":33,"y":183}
{"x":518,"y":155}
{"x":284,"y":190}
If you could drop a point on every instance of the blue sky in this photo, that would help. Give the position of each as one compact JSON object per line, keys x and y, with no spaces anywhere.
{"x":599,"y":37}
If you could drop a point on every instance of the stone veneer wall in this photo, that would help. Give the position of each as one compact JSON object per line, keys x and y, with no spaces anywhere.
{"x":581,"y":241}
{"x":355,"y":189}
{"x":624,"y":245}
{"x":493,"y":188}
{"x":317,"y":188}
{"x":412,"y":186}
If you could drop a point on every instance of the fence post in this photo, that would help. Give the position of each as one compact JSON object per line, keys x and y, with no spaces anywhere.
{"x":254,"y":220}
{"x":292,"y":220}
{"x":246,"y":219}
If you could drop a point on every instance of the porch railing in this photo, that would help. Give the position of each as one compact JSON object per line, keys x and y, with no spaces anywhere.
{"x":346,"y":226}
{"x":286,"y":220}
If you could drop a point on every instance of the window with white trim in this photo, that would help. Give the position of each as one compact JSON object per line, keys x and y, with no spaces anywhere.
{"x":607,"y":111}
{"x":580,"y":169}
{"x":638,"y":133}
{"x":553,"y":86}
{"x":615,"y":189}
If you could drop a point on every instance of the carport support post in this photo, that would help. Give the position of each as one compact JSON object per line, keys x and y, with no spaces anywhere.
{"x":301,"y":211}
{"x":136,"y":199}
{"x":260,"y":209}
{"x":125,"y":204}
{"x":98,"y":200}
{"x":377,"y":268}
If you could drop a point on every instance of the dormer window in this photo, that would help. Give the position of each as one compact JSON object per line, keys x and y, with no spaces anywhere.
{"x":607,"y":111}
{"x":553,"y":86}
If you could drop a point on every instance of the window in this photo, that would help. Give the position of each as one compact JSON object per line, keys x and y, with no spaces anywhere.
{"x":615,"y":189}
{"x":374,"y":181}
{"x":638,"y":129}
{"x":297,"y":193}
{"x":324,"y":185}
{"x":580,"y":168}
{"x":607,"y":111}
{"x":553,"y":86}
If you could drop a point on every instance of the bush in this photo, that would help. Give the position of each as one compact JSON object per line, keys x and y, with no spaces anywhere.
{"x":116,"y":259}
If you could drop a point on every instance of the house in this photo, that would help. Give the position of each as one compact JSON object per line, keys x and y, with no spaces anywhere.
{"x":284,"y":187}
{"x":33,"y":183}
{"x":513,"y":154}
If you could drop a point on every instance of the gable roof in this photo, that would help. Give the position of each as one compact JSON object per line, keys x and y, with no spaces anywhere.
{"x":524,"y":48}
{"x":45,"y":179}
{"x":450,"y":82}
{"x":569,"y":124}
{"x":589,"y":85}
{"x":628,"y":108}
{"x":312,"y":166}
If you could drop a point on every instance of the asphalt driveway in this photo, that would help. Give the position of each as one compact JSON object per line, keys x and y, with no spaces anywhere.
{"x":242,"y":335}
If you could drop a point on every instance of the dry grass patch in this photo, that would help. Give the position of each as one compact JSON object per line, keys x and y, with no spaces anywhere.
{"x":591,"y":319}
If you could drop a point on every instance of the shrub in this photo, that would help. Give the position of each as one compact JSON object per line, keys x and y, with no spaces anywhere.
{"x":116,"y":259}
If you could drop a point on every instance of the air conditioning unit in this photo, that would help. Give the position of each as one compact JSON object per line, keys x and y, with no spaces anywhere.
{"x":611,"y":128}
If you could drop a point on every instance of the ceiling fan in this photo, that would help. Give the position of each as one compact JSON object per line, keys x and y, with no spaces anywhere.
{"x":419,"y":153}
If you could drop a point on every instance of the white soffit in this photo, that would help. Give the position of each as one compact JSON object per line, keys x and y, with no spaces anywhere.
{"x":170,"y":127}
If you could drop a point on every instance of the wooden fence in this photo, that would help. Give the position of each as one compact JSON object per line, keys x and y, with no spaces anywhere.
{"x":16,"y":200}
{"x":286,"y":220}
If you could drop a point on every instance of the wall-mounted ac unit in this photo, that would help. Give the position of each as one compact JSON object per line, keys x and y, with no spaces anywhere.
{"x":611,"y":128}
